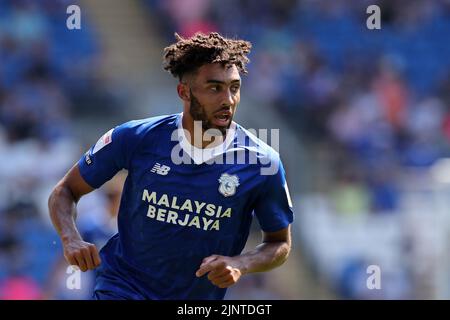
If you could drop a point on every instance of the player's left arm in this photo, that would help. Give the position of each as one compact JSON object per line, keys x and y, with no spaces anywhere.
{"x":273,"y":209}
{"x":225,"y":271}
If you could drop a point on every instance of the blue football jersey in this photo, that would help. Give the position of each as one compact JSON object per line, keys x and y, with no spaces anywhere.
{"x":181,"y":204}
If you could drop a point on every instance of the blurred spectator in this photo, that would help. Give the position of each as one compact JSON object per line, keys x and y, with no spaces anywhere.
{"x":15,"y":285}
{"x":36,"y":137}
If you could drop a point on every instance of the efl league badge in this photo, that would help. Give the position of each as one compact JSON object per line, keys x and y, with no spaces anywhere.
{"x":228,"y":184}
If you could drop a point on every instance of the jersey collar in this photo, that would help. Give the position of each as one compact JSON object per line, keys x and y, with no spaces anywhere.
{"x":199,"y":155}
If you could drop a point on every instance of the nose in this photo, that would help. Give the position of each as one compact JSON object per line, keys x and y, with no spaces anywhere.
{"x":227,"y":99}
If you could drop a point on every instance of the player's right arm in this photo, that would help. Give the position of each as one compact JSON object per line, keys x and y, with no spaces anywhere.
{"x":100,"y":163}
{"x":62,"y":206}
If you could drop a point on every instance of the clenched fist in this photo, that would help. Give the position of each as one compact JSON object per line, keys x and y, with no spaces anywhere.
{"x":222,"y":271}
{"x":82,"y":254}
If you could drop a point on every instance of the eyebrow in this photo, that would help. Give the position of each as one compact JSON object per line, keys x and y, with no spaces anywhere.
{"x":223,"y":82}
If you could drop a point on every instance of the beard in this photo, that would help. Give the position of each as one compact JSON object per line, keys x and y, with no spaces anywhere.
{"x":198,"y":113}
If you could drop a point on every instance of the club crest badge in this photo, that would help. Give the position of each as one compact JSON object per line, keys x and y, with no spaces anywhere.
{"x":228,"y":184}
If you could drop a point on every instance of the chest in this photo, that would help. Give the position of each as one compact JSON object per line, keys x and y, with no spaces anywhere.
{"x":212,"y":185}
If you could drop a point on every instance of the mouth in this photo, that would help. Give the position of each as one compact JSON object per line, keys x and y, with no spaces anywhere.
{"x":222,"y":118}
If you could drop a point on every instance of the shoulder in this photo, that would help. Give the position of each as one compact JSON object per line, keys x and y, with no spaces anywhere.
{"x":249,"y":140}
{"x":141,"y":127}
{"x":127,"y":137}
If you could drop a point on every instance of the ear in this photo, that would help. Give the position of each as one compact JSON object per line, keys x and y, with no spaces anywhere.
{"x":183,"y":92}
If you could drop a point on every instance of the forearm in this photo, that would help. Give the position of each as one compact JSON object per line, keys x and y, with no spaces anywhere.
{"x":63,"y":212}
{"x":62,"y":207}
{"x":264,"y":257}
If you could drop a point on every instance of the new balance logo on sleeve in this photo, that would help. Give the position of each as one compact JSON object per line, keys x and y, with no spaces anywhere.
{"x":160,"y":169}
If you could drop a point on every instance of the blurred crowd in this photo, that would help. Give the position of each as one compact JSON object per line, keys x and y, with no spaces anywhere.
{"x":375,"y":104}
{"x":47,"y":77}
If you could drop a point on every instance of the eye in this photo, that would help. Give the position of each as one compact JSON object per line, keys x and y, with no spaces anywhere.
{"x":234,"y":89}
{"x":215,"y":88}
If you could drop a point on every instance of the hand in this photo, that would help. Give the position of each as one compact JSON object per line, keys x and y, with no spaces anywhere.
{"x":82,"y":254}
{"x":222,"y":271}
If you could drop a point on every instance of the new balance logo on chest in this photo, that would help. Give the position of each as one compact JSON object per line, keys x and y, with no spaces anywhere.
{"x":160,"y":169}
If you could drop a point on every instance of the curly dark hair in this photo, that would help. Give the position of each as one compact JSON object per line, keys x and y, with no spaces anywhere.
{"x":187,"y":55}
